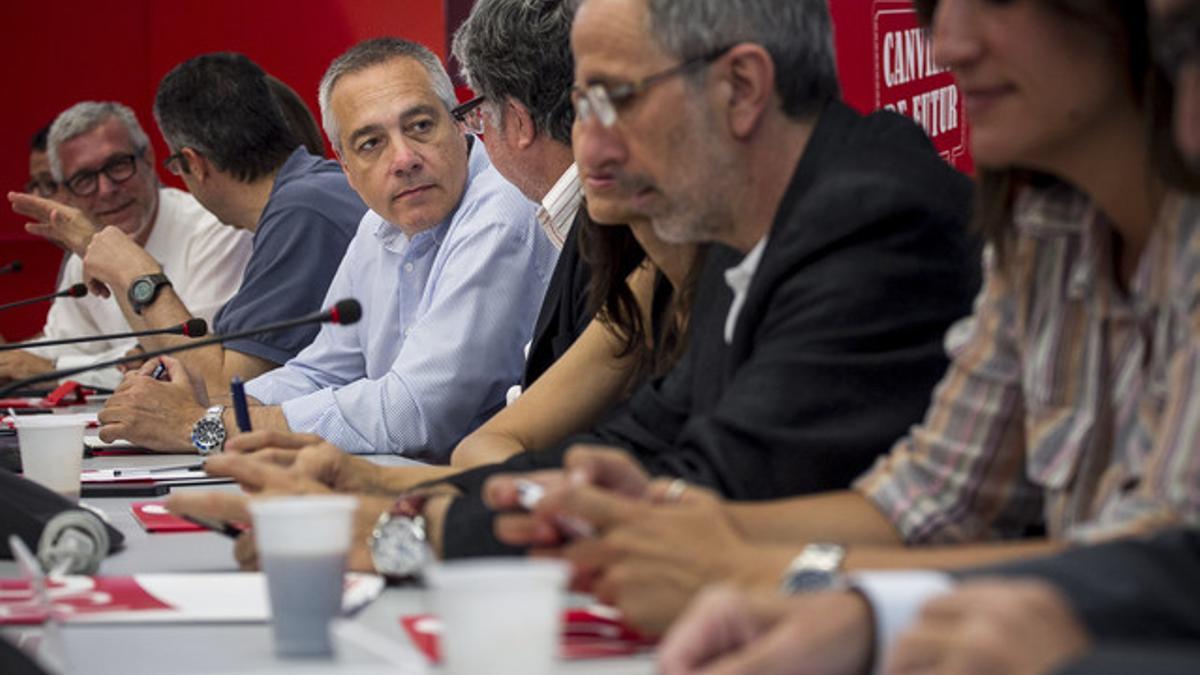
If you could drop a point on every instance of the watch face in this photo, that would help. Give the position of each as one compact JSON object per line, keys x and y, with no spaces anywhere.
{"x":142,"y":289}
{"x":802,"y":581}
{"x":398,"y":547}
{"x":208,"y":434}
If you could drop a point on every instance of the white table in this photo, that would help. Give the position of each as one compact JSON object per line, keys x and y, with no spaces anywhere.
{"x":228,"y":648}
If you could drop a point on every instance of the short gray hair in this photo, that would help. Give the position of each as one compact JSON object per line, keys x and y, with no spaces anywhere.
{"x":372,"y":53}
{"x":798,"y":34}
{"x":82,"y":118}
{"x":522,"y":49}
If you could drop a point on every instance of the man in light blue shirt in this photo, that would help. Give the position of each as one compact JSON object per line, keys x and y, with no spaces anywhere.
{"x":449,"y":265}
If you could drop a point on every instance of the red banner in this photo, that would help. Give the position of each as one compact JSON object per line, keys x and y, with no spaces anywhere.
{"x":885,"y":61}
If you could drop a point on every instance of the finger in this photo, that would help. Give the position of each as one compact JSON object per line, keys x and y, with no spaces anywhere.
{"x":245,"y":551}
{"x":256,"y":440}
{"x":520,"y":529}
{"x":225,"y":507}
{"x":277,"y":456}
{"x":325,"y":463}
{"x":175,"y":370}
{"x":606,"y":467}
{"x":31,"y":205}
{"x":500,"y":493}
{"x":718,"y":621}
{"x":250,"y":474}
{"x":148,"y":367}
{"x":673,"y":491}
{"x":595,"y":554}
{"x":601,"y":508}
{"x":113,"y":431}
{"x":40,"y":229}
{"x":503,"y":492}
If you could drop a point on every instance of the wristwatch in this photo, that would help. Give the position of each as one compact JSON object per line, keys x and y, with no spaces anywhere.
{"x":398,"y":543}
{"x":817,"y":568}
{"x":208,"y":433}
{"x":144,"y":290}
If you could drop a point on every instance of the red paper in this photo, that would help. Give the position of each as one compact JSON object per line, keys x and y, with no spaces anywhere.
{"x":72,"y":596}
{"x":587,"y":634}
{"x":153,"y":517}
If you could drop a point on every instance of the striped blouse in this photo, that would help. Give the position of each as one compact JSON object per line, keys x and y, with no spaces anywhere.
{"x":1069,"y":403}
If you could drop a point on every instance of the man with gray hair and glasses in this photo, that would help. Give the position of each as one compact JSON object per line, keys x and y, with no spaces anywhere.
{"x":448,"y":263}
{"x":103,"y":160}
{"x":516,"y":56}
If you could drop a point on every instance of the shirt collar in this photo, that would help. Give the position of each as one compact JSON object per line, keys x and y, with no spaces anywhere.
{"x":559,"y":206}
{"x":738,"y":279}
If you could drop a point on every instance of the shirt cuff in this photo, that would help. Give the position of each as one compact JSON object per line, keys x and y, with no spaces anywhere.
{"x":318,"y":413}
{"x":895,"y":598}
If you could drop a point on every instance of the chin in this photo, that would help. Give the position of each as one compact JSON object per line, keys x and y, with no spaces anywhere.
{"x":611,"y":213}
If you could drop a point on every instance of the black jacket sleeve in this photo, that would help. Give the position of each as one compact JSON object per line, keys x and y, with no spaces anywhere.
{"x":1142,"y":658}
{"x":1126,"y":590}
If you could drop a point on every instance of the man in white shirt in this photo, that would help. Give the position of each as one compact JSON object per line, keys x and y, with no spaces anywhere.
{"x":105,"y":164}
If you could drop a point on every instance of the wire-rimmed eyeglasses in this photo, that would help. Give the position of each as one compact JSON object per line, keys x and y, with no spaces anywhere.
{"x":603,"y":100}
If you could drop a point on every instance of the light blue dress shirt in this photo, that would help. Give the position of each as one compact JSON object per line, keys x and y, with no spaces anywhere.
{"x":445,"y":315}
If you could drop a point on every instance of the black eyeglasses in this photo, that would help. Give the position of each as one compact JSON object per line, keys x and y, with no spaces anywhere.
{"x":602,"y":100}
{"x":42,"y":185}
{"x":470,"y":115}
{"x":118,"y":168}
{"x":1176,"y":39}
{"x":176,"y":164}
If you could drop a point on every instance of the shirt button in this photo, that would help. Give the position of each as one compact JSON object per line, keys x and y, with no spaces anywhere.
{"x":408,"y":267}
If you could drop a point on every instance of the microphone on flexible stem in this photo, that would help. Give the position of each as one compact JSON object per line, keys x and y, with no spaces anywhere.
{"x":192,"y":328}
{"x":73,"y":542}
{"x":76,"y":291}
{"x":12,"y":267}
{"x":344,"y":312}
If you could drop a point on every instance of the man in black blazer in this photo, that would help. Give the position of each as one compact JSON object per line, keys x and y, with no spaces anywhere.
{"x":833,"y":343}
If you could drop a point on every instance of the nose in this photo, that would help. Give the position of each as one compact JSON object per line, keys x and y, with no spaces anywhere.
{"x":105,"y":186}
{"x":406,"y":158}
{"x":956,"y":43}
{"x":597,"y":146}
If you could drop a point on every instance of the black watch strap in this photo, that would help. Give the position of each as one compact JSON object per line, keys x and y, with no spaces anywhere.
{"x":139,"y":299}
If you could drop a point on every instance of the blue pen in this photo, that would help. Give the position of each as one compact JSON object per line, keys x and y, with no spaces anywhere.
{"x":159,"y":371}
{"x":239,"y":404}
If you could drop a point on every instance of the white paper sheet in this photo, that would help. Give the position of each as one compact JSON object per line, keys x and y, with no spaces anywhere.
{"x":236,"y":597}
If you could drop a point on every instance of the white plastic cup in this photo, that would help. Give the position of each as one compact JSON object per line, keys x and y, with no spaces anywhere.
{"x":302,"y":543}
{"x":501,"y":616}
{"x":52,"y":451}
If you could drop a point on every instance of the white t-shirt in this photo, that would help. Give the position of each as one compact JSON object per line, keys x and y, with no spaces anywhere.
{"x":203,"y":258}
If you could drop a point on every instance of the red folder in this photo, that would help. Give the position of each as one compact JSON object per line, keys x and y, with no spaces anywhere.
{"x":587,"y":634}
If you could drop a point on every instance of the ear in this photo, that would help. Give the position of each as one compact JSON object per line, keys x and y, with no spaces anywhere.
{"x":519,"y":123}
{"x":198,"y":165}
{"x":345,"y":170}
{"x":749,"y":75}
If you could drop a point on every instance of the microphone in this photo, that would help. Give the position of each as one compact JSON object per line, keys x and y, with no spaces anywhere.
{"x":12,"y":267}
{"x":193,"y":328}
{"x":344,"y":312}
{"x":73,"y":542}
{"x":76,"y":291}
